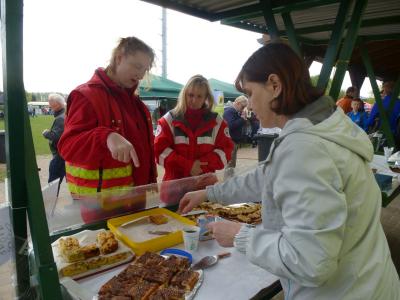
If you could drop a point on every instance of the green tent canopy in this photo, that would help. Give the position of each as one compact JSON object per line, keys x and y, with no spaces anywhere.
{"x":229,"y":89}
{"x":159,"y":87}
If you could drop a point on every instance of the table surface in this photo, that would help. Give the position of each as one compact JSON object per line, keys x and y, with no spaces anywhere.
{"x":233,"y":277}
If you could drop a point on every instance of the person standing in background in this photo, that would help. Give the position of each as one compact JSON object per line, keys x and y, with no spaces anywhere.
{"x":345,"y":102}
{"x":191,"y":140}
{"x":374,"y":119}
{"x":235,"y":117}
{"x":357,"y":115}
{"x":57,"y":163}
{"x":108,"y":139}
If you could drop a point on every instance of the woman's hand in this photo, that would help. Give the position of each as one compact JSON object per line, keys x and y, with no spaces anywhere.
{"x":190,"y":200}
{"x":196,"y":168}
{"x":224,"y":232}
{"x":121,"y":149}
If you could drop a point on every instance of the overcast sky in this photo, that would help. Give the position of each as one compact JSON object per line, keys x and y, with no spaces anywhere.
{"x":66,"y":40}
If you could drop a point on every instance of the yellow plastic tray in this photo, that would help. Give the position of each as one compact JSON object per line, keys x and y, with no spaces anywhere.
{"x":155,"y":244}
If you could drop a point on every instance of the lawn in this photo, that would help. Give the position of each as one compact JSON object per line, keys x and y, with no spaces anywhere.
{"x":38,"y":124}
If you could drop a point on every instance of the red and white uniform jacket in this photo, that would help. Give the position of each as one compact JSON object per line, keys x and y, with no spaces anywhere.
{"x":177,"y":147}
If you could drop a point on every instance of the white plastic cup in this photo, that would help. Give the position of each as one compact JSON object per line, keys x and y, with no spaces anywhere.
{"x":388,"y":152}
{"x":191,"y":237}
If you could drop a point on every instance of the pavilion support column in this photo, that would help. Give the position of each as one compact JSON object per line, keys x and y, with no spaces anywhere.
{"x":347,"y":49}
{"x":14,"y":98}
{"x":270,"y":19}
{"x":334,"y":44}
{"x":382,"y":112}
{"x":291,"y":33}
{"x":22,"y":169}
{"x":357,"y":76}
{"x":395,"y":95}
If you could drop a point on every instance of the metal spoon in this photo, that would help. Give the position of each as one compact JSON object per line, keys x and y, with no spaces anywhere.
{"x":209,"y":261}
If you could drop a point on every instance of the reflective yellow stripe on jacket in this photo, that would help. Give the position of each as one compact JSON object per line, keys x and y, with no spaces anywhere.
{"x":94,"y":174}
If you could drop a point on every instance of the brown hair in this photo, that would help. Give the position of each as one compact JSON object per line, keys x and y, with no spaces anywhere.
{"x":194,"y":81}
{"x":351,"y":90}
{"x":129,"y":45}
{"x":278,"y":58}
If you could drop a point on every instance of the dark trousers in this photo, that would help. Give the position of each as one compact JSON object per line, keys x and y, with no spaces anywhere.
{"x":56,"y":168}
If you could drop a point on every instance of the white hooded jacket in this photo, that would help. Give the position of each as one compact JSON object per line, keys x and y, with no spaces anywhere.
{"x":321,"y":231}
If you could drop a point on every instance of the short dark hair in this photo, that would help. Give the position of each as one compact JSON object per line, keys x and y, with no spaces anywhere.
{"x":351,"y":89}
{"x":278,"y":58}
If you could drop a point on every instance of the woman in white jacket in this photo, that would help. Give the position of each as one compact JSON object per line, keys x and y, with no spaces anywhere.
{"x":321,"y":231}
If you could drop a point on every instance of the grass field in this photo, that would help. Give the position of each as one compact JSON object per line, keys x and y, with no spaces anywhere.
{"x":38,"y":124}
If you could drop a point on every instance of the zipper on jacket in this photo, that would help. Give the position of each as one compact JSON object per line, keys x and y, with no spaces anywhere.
{"x":287,"y":297}
{"x":100,"y":180}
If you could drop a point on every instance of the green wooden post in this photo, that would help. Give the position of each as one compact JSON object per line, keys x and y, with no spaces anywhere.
{"x":347,"y":50}
{"x":270,"y":19}
{"x":395,"y":95}
{"x":21,"y":164}
{"x":382,"y":113}
{"x":291,"y":33}
{"x":11,"y":22}
{"x":334,"y":44}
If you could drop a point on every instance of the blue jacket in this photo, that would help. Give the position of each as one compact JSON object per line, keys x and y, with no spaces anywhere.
{"x":392,"y":118}
{"x":235,"y":123}
{"x":360,"y":118}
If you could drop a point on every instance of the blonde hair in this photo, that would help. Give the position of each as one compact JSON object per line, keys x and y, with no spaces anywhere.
{"x":194,"y":81}
{"x":130,"y":45}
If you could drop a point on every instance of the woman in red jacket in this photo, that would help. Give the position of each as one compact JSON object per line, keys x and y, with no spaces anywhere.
{"x":191,"y":140}
{"x":108,"y":140}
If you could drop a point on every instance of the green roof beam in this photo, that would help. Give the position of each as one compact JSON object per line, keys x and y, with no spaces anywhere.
{"x":270,"y":19}
{"x":365,"y":23}
{"x":347,"y":49}
{"x":291,"y":33}
{"x":250,"y":27}
{"x":334,"y":43}
{"x":183,"y":9}
{"x":382,"y":113}
{"x":256,"y":10}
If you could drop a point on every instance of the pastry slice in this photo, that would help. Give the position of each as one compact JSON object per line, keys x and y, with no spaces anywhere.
{"x":149,"y":259}
{"x":109,"y":246}
{"x":142,"y":290}
{"x":175,"y":263}
{"x":90,"y":251}
{"x":158,"y":219}
{"x":159,"y":275}
{"x":169,"y":293}
{"x":185,"y":279}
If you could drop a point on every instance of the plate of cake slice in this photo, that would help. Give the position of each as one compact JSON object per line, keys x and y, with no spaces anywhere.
{"x":153,"y":277}
{"x":89,"y":252}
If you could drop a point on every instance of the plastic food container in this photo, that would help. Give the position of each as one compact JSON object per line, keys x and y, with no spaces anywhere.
{"x":137,"y":237}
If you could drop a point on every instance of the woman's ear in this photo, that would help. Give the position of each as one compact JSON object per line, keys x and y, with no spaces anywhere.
{"x":275,"y":81}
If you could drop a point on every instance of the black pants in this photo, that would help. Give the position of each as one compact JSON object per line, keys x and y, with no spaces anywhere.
{"x":56,"y":168}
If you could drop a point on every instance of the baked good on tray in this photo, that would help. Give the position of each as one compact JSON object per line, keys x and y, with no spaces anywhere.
{"x":151,"y":276}
{"x":185,"y":279}
{"x":92,"y":251}
{"x":158,"y":219}
{"x":170,"y":293}
{"x":244,"y":213}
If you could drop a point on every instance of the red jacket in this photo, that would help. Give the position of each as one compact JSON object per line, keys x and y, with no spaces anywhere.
{"x":94,"y":110}
{"x":177,"y":147}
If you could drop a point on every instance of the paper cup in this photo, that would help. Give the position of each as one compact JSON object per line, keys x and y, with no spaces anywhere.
{"x":388,"y":152}
{"x":191,"y":237}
